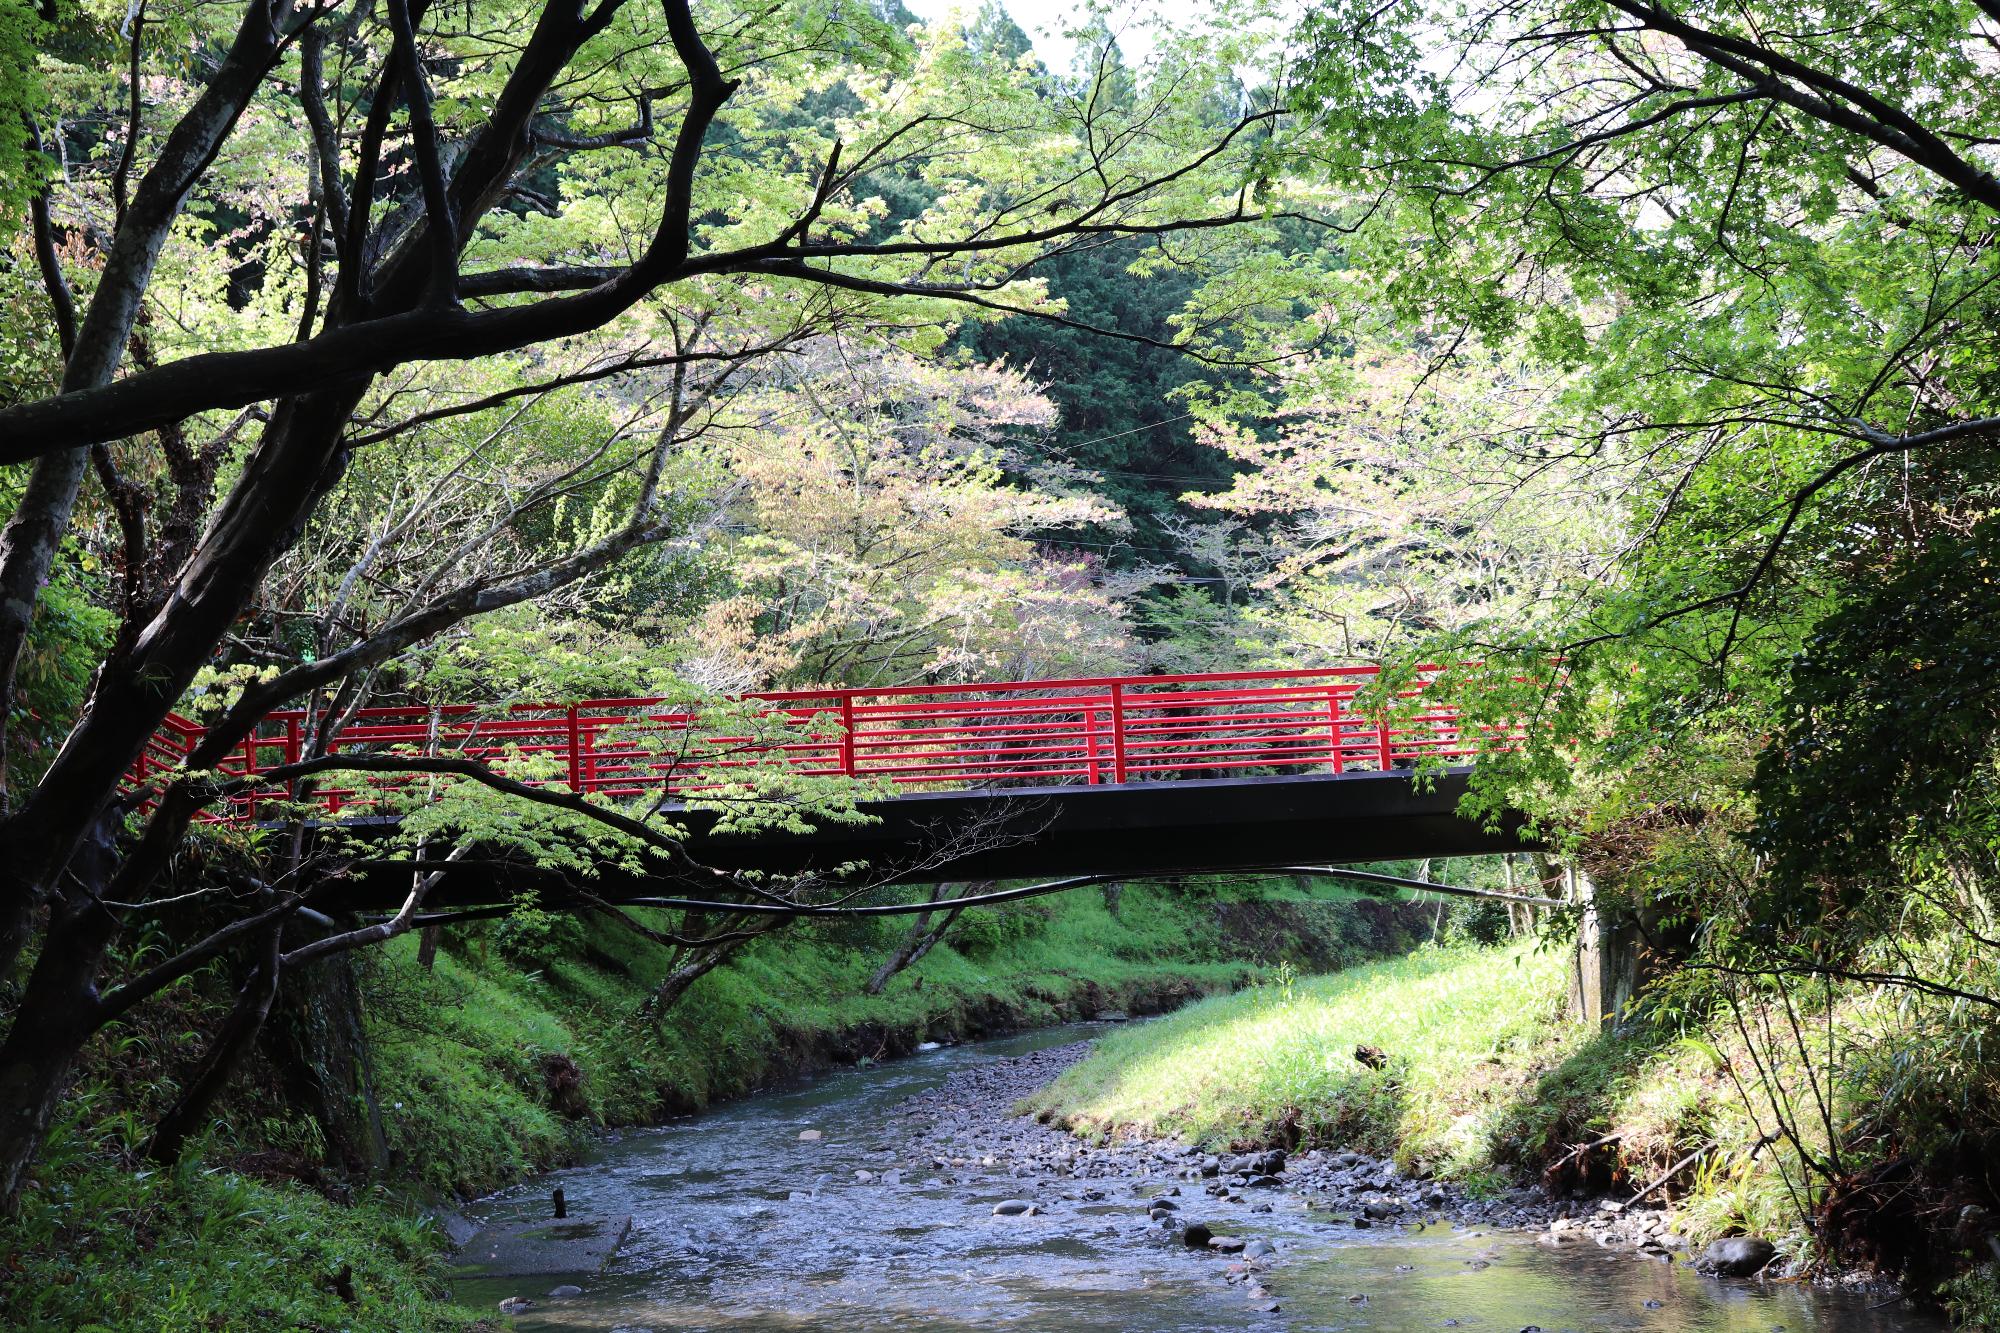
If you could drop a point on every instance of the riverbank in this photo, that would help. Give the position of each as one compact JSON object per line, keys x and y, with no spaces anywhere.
{"x":913,"y":1193}
{"x":1458,"y":1066}
{"x":513,"y":1050}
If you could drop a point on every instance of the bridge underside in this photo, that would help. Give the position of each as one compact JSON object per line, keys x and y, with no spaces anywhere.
{"x":1138,"y":829}
{"x":1142,"y":829}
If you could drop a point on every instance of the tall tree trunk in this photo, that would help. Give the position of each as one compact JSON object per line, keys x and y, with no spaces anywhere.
{"x":34,"y":531}
{"x":316,"y":1041}
{"x":57,"y":1015}
{"x":427,"y":947}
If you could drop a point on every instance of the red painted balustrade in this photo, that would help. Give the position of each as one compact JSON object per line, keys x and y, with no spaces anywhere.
{"x":1096,"y":730}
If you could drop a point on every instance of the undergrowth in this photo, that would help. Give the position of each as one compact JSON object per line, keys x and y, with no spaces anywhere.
{"x":494,"y":1062}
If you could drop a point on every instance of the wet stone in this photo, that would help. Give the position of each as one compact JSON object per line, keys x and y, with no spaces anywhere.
{"x":1737,"y":1256}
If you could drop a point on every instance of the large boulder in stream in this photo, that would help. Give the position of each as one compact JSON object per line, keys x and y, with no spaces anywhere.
{"x":1736,"y":1256}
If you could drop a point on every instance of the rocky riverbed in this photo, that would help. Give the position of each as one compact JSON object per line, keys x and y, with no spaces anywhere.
{"x":1217,"y":1200}
{"x":912,"y":1193}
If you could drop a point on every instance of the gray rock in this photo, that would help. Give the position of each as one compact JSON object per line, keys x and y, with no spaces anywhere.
{"x":516,"y":1305}
{"x":568,"y":1291}
{"x":456,"y":1228}
{"x":810,"y":1136}
{"x":1227,"y":1244}
{"x":1014,"y":1208}
{"x":1737,"y":1256}
{"x":1380,"y":1209}
{"x":1258,"y":1249}
{"x":1197,"y":1236}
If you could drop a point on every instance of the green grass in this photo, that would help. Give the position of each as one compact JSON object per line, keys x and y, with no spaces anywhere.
{"x":459,"y":1056}
{"x":1462,"y":1028}
{"x":460,"y":1050}
{"x":99,"y":1247}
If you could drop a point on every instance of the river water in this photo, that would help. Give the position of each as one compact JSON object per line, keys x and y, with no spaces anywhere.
{"x":739,"y":1224}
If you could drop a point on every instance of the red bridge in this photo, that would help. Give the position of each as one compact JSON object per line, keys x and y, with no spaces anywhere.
{"x":1152,"y":773}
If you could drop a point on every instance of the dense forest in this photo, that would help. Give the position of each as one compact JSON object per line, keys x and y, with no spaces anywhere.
{"x":362,"y":354}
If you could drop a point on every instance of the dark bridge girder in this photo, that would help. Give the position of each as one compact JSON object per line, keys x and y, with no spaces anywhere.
{"x":1137,"y":829}
{"x":1155,"y":828}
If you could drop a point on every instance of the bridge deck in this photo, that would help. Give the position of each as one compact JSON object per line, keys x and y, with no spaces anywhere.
{"x":1107,"y":775}
{"x":1097,"y":731}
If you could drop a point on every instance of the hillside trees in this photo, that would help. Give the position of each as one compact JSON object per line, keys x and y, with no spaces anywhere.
{"x":1753,"y":249}
{"x":882,"y":543}
{"x":315,"y":234}
{"x":1750,"y":247}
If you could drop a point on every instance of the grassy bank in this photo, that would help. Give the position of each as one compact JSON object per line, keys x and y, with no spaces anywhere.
{"x":525,"y":1036}
{"x":1487,"y":1084}
{"x":467,"y":1054}
{"x":1464,"y":1031}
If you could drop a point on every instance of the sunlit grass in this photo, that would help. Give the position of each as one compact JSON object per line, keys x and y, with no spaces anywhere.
{"x":1462,"y":1029}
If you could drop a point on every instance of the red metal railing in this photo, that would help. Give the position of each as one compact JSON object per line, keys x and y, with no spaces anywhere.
{"x":1098,"y":730}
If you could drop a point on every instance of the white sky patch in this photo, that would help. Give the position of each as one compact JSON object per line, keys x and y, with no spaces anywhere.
{"x":1046,"y":21}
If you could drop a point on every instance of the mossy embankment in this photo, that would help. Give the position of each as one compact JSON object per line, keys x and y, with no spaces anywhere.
{"x":522,"y":1038}
{"x":489,"y":1065}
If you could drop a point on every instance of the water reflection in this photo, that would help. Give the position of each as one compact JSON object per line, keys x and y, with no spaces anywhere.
{"x":738,"y":1224}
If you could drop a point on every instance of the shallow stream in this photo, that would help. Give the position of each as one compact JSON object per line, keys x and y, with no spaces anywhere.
{"x":738,"y":1223}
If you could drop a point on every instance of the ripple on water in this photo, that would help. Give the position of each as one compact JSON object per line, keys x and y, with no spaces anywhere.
{"x":720,"y":1242}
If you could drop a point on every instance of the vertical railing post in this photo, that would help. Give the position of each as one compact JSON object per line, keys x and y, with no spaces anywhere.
{"x":575,"y":751}
{"x":1382,"y":735}
{"x":250,"y":771}
{"x":847,"y":734}
{"x":1117,"y":732}
{"x":1090,"y":743}
{"x":1333,"y":731}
